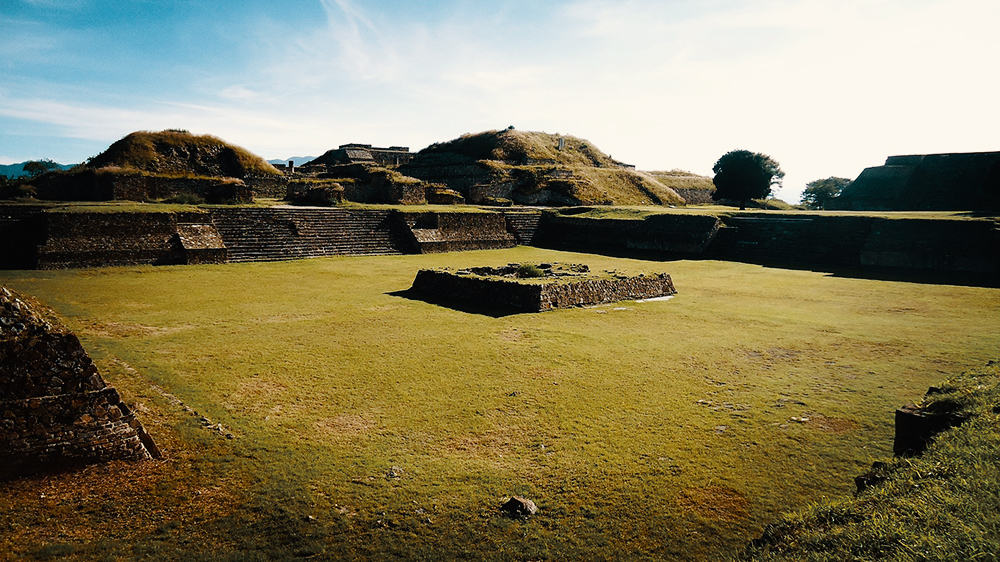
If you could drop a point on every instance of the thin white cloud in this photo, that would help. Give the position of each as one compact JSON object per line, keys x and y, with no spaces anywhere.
{"x":826,"y":88}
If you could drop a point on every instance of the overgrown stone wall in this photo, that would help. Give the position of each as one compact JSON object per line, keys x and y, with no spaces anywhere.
{"x":55,"y":409}
{"x":273,"y":187}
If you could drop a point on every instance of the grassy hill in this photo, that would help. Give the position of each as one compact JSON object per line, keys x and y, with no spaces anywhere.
{"x":523,"y":147}
{"x":536,"y":168}
{"x":180,"y":152}
{"x":692,"y":187}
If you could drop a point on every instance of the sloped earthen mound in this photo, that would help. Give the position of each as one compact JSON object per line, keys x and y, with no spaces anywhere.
{"x":55,"y":409}
{"x":182,"y":153}
{"x":535,"y":168}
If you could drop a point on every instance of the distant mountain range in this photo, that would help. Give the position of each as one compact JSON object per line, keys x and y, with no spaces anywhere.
{"x":299,"y":160}
{"x":17,"y":170}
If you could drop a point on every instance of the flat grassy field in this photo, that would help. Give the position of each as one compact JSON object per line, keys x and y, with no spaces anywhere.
{"x":366,"y":424}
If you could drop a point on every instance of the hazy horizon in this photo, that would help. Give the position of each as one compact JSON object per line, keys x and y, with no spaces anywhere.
{"x":825,"y":88}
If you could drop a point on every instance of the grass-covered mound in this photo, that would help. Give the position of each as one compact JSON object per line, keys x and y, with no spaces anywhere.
{"x":943,"y":505}
{"x":694,"y":188}
{"x":181,"y":153}
{"x":524,"y":147}
{"x":536,"y":168}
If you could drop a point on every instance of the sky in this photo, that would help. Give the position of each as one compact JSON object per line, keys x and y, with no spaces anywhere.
{"x":825,"y":87}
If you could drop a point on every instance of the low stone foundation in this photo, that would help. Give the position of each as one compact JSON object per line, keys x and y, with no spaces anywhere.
{"x":558,"y":286}
{"x":55,"y":409}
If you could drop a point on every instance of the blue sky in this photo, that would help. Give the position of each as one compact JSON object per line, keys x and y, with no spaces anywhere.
{"x":824,"y":87}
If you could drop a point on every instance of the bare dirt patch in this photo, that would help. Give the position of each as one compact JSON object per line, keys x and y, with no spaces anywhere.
{"x":128,"y":329}
{"x":769,"y":357}
{"x":344,"y":425}
{"x":511,"y":334}
{"x":715,"y":502}
{"x":832,"y":425}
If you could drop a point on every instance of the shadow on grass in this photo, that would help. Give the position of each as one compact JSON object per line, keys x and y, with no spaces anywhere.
{"x":490,"y":310}
{"x":924,"y":276}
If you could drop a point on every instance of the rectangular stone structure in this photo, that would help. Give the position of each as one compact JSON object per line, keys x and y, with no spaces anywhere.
{"x":480,"y":286}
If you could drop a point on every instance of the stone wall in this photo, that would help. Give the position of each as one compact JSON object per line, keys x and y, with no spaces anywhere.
{"x":55,"y":409}
{"x":598,"y":291}
{"x":951,"y":247}
{"x":523,"y":224}
{"x":51,"y":239}
{"x":668,"y":233}
{"x":94,"y":239}
{"x":273,"y":187}
{"x":448,"y":232}
{"x":271,"y":234}
{"x":103,"y":185}
{"x":948,"y":182}
{"x":693,"y":196}
{"x":504,"y":294}
{"x":20,"y":231}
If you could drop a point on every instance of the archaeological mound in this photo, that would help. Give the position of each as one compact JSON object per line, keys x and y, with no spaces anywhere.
{"x":536,"y":287}
{"x":55,"y":409}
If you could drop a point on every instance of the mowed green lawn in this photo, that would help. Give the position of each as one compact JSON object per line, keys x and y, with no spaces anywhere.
{"x":369,"y":425}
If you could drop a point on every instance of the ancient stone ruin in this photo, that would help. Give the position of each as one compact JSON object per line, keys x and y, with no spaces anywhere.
{"x":55,"y":409}
{"x":924,"y":182}
{"x":537,"y":287}
{"x":358,"y":153}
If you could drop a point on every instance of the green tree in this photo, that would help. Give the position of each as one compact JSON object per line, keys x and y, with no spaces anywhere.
{"x":819,"y":193}
{"x":741,"y":175}
{"x":36,"y":168}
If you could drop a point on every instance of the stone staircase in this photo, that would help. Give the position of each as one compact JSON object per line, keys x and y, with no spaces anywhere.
{"x":273,"y":234}
{"x":523,"y":225}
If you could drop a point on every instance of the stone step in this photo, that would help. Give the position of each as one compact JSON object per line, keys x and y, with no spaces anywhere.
{"x":282,"y":234}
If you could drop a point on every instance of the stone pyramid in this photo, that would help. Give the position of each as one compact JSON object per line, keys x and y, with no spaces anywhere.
{"x":55,"y":409}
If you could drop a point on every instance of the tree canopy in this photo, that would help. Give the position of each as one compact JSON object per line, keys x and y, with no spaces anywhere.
{"x":819,"y":193}
{"x":741,"y":175}
{"x":36,"y":168}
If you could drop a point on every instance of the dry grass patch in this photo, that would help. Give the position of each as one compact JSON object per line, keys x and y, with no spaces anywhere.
{"x":715,"y":502}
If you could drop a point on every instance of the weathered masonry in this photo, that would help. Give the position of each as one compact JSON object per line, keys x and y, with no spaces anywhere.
{"x":55,"y":409}
{"x":557,"y":287}
{"x":40,"y":237}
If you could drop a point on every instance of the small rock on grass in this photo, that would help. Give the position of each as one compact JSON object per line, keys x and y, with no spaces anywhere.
{"x":519,"y":508}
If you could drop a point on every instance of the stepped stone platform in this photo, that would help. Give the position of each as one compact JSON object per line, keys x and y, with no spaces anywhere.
{"x":271,"y":234}
{"x":523,"y":225}
{"x":55,"y":409}
{"x":98,"y":239}
{"x":537,"y":288}
{"x":449,"y":232}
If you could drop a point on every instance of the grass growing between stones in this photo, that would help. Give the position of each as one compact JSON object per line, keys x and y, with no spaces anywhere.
{"x":368,"y":424}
